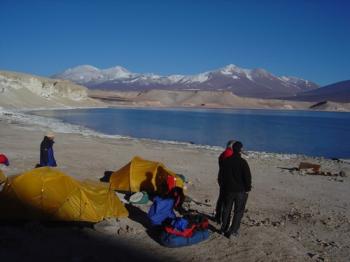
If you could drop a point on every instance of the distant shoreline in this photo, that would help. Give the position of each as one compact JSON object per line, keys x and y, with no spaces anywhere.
{"x":217,"y":108}
{"x":44,"y":123}
{"x":208,"y":100}
{"x":185,"y":108}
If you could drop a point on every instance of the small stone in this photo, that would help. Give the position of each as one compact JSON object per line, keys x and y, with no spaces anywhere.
{"x":311,"y":255}
{"x":342,"y":173}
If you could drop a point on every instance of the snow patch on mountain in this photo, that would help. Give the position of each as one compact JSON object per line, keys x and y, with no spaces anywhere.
{"x":235,"y":71}
{"x":245,"y":82}
{"x":200,"y":78}
{"x":116,"y":72}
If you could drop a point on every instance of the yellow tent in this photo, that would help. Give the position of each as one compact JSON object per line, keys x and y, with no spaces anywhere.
{"x":49,"y":194}
{"x":2,"y":177}
{"x":142,"y":175}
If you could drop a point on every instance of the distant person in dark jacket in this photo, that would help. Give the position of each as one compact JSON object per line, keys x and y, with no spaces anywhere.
{"x":47,"y":157}
{"x":235,"y":184}
{"x":219,"y":204}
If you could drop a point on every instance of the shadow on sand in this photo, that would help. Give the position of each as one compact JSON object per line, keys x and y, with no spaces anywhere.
{"x":51,"y":241}
{"x":139,"y":216}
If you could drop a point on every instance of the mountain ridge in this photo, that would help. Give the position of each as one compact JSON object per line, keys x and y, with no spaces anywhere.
{"x":256,"y":82}
{"x":336,"y":92}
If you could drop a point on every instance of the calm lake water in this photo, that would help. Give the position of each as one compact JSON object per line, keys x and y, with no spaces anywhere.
{"x":302,"y":132}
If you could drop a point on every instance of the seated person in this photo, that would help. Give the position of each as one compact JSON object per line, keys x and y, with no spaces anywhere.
{"x":163,"y":207}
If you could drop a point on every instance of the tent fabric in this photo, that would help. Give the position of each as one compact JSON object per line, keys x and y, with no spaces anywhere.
{"x":49,"y":194}
{"x":142,"y":175}
{"x":2,"y":177}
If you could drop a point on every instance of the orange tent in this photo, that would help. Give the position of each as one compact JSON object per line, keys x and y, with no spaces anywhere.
{"x":2,"y":177}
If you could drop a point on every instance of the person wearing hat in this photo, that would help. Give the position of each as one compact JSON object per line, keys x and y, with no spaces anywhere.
{"x":4,"y":160}
{"x":47,"y":157}
{"x":236,"y":183}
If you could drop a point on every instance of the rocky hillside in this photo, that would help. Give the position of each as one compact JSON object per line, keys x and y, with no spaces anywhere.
{"x":337,"y":92}
{"x":331,"y":106}
{"x":206,"y":99}
{"x":18,"y":90}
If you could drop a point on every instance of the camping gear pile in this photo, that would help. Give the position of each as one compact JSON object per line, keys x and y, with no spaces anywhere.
{"x":147,"y":178}
{"x":185,"y":231}
{"x":49,"y":194}
{"x":177,"y":231}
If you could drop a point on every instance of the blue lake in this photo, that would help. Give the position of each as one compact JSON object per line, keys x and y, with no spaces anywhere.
{"x":302,"y":132}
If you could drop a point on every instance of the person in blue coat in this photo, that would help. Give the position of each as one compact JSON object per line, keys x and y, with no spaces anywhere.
{"x":163,"y":207}
{"x":47,"y":157}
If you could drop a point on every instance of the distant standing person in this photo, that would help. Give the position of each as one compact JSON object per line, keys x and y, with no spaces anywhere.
{"x":219,"y":204}
{"x":236,"y":183}
{"x":47,"y":157}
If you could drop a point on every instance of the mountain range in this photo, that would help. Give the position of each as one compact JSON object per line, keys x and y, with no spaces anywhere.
{"x":257,"y":83}
{"x":338,"y":92}
{"x":24,"y":91}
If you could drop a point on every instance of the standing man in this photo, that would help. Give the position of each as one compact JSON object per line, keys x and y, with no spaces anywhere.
{"x":236,"y":183}
{"x":219,"y":204}
{"x":47,"y":157}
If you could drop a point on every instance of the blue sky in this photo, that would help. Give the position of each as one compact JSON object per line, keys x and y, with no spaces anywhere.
{"x":308,"y":39}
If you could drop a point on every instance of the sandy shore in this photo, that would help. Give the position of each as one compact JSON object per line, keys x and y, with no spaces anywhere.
{"x":290,"y":216}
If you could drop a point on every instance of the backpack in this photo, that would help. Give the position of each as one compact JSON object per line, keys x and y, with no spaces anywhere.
{"x":200,"y":221}
{"x":187,"y":226}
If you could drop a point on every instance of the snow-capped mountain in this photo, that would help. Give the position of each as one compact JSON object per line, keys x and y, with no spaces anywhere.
{"x":242,"y":82}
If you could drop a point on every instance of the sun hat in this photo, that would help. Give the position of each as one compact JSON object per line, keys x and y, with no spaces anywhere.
{"x":50,"y":134}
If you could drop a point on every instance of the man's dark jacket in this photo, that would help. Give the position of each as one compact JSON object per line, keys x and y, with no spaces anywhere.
{"x":235,"y":174}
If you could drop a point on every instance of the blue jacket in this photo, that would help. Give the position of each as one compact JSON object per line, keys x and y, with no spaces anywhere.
{"x":47,"y":157}
{"x":161,"y":209}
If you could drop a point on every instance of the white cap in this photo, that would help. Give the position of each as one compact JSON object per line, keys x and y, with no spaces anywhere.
{"x":50,"y":134}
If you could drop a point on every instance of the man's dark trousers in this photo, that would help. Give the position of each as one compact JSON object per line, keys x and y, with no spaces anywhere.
{"x":239,"y":199}
{"x":219,"y":208}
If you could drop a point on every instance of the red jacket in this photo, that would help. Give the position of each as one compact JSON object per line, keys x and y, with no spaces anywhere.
{"x":227,"y":153}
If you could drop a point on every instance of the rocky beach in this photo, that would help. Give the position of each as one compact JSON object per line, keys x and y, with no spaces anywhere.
{"x":291,"y":214}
